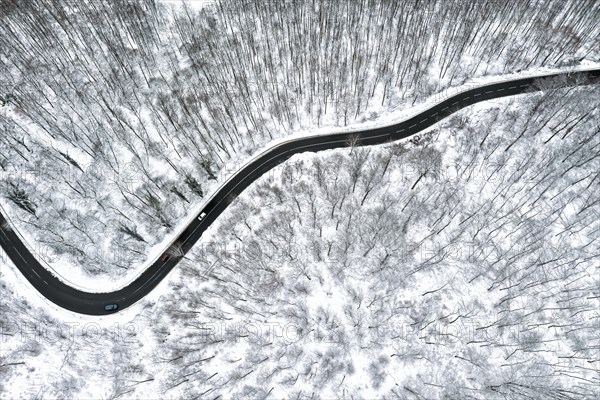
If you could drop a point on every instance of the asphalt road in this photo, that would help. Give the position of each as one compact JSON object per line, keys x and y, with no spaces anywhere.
{"x":78,"y":301}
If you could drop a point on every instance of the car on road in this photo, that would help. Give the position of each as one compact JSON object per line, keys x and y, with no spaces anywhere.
{"x":111,"y":307}
{"x":165,"y":257}
{"x":201,"y":217}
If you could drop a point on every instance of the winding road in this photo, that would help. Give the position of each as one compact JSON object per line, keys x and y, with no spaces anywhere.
{"x":82,"y":302}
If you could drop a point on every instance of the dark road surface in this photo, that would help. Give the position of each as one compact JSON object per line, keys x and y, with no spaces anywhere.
{"x":93,"y":303}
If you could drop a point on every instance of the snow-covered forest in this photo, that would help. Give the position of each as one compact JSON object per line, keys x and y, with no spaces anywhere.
{"x":117,"y":117}
{"x":462,"y":263}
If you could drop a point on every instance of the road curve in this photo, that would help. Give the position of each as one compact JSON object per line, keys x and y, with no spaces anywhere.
{"x":88,"y":303}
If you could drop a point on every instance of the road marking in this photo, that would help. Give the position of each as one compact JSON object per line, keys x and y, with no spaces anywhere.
{"x":5,"y":235}
{"x":444,"y":109}
{"x":466,"y":98}
{"x":21,"y":255}
{"x":523,"y":85}
{"x":423,"y":121}
{"x":489,"y":91}
{"x":456,"y":102}
{"x":433,"y":115}
{"x":401,"y":130}
{"x":477,"y":94}
{"x":500,"y":90}
{"x":412,"y":126}
{"x":378,"y":136}
{"x":512,"y":87}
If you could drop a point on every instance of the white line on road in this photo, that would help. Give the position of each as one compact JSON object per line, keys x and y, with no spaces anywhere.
{"x":21,"y":255}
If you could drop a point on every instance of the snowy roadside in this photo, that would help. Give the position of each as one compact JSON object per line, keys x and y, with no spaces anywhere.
{"x":385,"y":117}
{"x":130,"y":348}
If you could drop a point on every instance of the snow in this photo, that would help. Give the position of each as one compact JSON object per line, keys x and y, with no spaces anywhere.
{"x":79,"y":279}
{"x":414,"y":355}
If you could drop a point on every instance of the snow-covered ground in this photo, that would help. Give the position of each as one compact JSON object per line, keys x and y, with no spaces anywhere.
{"x":466,"y":285}
{"x":116,"y":149}
{"x":103,"y":283}
{"x":461,"y":263}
